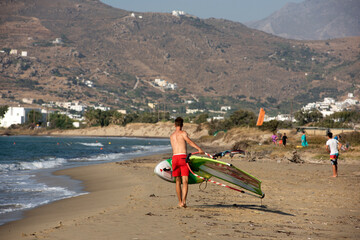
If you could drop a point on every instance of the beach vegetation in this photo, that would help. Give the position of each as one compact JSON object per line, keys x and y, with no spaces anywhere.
{"x":239,"y":118}
{"x":273,"y":125}
{"x":96,"y":117}
{"x":304,"y":117}
{"x":202,"y":118}
{"x":60,"y":121}
{"x":344,"y":119}
{"x":34,"y":117}
{"x":352,"y":138}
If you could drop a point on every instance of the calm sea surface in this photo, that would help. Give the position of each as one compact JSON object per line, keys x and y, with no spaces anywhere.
{"x":26,"y":164}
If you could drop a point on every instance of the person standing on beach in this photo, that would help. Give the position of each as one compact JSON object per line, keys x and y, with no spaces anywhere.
{"x":274,"y":138}
{"x":333,"y":146}
{"x":179,"y":139}
{"x":304,"y":142}
{"x":284,"y":137}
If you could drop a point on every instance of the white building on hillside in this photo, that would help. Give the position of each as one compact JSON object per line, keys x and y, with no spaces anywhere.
{"x":178,"y":13}
{"x":225,"y":108}
{"x":16,"y":115}
{"x":329,"y":105}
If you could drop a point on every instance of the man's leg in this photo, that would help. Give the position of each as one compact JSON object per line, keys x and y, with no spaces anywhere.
{"x":334,"y":167}
{"x":334,"y":170}
{"x":178,"y":190}
{"x":185,"y":180}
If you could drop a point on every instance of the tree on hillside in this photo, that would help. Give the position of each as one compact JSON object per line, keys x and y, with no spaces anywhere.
{"x":344,"y":119}
{"x":92,"y":117}
{"x":34,"y":117}
{"x":237,"y":119}
{"x":61,"y":121}
{"x":201,"y":118}
{"x":304,"y":117}
{"x":3,"y":110}
{"x":243,"y":118}
{"x":117,"y":118}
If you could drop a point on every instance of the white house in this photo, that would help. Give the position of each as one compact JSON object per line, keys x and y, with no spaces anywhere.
{"x":28,"y":100}
{"x":15,"y":115}
{"x":225,"y":108}
{"x":89,"y":83}
{"x":24,"y":53}
{"x":178,"y":13}
{"x":215,"y":118}
{"x":191,"y":111}
{"x":102,"y":108}
{"x":13,"y":52}
{"x":58,"y":41}
{"x":160,"y":82}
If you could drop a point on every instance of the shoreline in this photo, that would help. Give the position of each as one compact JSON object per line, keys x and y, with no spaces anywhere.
{"x":127,"y":200}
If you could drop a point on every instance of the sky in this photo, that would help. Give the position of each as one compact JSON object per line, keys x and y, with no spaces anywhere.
{"x":234,"y":10}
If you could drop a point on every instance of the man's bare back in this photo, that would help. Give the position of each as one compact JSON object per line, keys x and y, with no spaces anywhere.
{"x":178,"y":140}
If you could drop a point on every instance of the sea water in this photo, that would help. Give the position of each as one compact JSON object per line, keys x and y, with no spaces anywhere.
{"x":26,"y":164}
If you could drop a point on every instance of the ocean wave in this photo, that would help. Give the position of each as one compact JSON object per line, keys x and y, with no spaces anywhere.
{"x":92,"y":144}
{"x":100,"y":157}
{"x":42,"y":164}
{"x":57,"y":193}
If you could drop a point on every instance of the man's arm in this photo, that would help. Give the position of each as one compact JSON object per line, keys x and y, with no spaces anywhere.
{"x":191,"y":143}
{"x":339,"y":145}
{"x":327,"y":148}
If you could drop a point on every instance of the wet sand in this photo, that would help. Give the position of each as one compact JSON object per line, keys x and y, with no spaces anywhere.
{"x":127,"y":201}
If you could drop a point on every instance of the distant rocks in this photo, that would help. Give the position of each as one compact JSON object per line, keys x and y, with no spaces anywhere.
{"x":76,"y":54}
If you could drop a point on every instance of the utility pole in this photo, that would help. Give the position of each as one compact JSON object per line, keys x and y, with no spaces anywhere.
{"x":164,"y":111}
{"x":291,"y":113}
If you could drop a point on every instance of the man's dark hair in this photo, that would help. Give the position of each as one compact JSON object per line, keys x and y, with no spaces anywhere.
{"x":179,"y":122}
{"x":330,"y":134}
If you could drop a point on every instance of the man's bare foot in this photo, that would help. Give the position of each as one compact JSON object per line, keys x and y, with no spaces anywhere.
{"x":334,"y":176}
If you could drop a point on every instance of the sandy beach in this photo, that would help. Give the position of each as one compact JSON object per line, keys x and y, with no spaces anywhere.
{"x":127,"y":201}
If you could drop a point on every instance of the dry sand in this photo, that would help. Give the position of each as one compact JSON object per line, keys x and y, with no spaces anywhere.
{"x":127,"y":201}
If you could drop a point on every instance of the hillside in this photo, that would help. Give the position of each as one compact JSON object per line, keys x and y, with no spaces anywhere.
{"x":213,"y":61}
{"x":313,"y":20}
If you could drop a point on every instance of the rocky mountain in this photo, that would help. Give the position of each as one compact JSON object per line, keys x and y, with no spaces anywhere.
{"x":313,"y":20}
{"x":85,"y":50}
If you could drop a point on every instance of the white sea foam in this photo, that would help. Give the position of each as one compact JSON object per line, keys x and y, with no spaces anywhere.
{"x":41,"y":164}
{"x":92,"y":144}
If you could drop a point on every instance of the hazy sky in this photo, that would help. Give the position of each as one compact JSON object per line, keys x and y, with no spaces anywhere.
{"x":235,"y":10}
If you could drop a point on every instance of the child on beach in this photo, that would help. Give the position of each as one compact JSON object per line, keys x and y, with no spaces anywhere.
{"x":304,"y":142}
{"x":274,"y":138}
{"x":284,"y":138}
{"x":178,"y":140}
{"x":333,"y":146}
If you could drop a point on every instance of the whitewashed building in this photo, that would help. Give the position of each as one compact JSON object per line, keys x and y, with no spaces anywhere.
{"x":13,"y":52}
{"x":178,"y":13}
{"x":16,"y":115}
{"x":225,"y":108}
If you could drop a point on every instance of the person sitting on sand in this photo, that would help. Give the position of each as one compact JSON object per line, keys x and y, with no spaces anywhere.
{"x":333,"y":146}
{"x":178,"y":140}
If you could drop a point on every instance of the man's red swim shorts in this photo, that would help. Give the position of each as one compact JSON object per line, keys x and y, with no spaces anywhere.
{"x":179,"y":165}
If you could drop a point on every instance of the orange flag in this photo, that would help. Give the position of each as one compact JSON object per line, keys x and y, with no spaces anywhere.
{"x":261,"y":117}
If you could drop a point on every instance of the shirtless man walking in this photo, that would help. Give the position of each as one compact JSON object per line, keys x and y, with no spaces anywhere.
{"x":178,"y":140}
